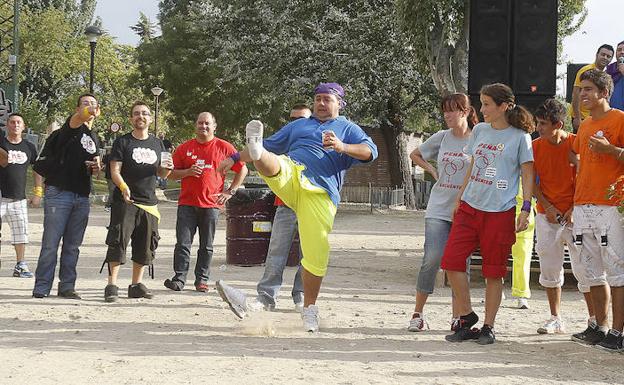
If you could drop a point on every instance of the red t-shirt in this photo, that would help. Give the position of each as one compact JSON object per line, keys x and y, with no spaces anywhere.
{"x":204,"y":190}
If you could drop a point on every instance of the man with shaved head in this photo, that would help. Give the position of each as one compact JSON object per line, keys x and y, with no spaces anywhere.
{"x":202,"y":195}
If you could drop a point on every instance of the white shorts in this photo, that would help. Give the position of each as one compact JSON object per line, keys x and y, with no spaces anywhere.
{"x":551,"y":240}
{"x":15,"y":213}
{"x":601,"y":231}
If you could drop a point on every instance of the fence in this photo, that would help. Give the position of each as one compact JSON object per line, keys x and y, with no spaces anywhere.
{"x":384,"y":197}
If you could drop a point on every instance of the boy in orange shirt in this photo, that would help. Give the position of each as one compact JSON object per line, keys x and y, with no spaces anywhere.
{"x":554,"y":189}
{"x":598,"y":225}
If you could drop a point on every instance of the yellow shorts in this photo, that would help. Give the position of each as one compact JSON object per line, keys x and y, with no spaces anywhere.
{"x":315,"y":212}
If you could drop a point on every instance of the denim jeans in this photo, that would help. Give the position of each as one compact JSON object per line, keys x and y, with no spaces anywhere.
{"x":65,"y":217}
{"x":436,"y":235}
{"x":190,"y":218}
{"x":282,"y":235}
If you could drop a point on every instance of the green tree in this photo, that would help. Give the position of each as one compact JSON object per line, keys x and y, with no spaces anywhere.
{"x":243,"y":59}
{"x":54,"y":71}
{"x":440,"y":30}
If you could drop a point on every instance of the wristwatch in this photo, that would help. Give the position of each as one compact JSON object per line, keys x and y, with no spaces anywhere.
{"x":232,"y":191}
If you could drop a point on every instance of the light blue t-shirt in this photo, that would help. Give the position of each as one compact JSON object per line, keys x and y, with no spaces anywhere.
{"x":452,"y":165}
{"x":302,"y":141}
{"x":495,"y":176}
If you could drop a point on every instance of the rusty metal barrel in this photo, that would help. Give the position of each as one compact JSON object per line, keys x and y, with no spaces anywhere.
{"x":249,"y":217}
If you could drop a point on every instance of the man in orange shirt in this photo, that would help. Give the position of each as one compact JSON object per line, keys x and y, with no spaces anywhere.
{"x":598,"y":225}
{"x":554,"y":189}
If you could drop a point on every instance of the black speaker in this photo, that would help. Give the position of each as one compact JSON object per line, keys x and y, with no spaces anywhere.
{"x":573,"y":69}
{"x":534,"y":48}
{"x":489,"y":44}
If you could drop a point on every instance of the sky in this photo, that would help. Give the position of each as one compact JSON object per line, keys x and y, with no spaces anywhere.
{"x":602,"y":19}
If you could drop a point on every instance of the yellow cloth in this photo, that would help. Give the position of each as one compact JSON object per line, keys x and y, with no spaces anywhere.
{"x":577,"y":83}
{"x":522,"y":252}
{"x":315,"y":212}
{"x":150,"y":209}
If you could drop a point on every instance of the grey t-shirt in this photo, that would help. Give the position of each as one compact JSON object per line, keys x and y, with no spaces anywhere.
{"x":495,"y":176}
{"x":452,"y":165}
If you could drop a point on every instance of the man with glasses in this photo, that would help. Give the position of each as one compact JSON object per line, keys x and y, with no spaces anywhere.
{"x":135,"y":161}
{"x":72,"y":152}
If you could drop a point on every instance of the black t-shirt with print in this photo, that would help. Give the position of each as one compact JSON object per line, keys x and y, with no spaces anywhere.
{"x":13,"y":176}
{"x":73,"y":146}
{"x":140,"y":161}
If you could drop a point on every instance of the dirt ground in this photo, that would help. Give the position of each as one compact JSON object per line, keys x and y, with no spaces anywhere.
{"x":365,"y":304}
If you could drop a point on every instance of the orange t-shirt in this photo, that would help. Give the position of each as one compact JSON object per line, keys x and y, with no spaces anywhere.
{"x":598,"y":171}
{"x":555,"y":173}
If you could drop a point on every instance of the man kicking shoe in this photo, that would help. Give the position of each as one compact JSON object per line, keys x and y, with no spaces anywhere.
{"x":304,"y":164}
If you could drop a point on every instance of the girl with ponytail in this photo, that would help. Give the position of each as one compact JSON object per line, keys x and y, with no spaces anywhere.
{"x":446,"y":147}
{"x":485,"y":209}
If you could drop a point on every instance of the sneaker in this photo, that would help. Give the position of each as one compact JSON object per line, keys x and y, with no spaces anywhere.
{"x":257,"y":305}
{"x":454,"y":324}
{"x":39,"y":295}
{"x":613,"y":342}
{"x":236,"y":299}
{"x":310,"y":316}
{"x":21,"y":271}
{"x":139,"y":290}
{"x":417,"y":323}
{"x":552,"y":326}
{"x":523,"y":303}
{"x":299,"y":307}
{"x":111,"y":293}
{"x":253,"y":138}
{"x":464,"y":329}
{"x":69,"y":294}
{"x":201,"y":287}
{"x":174,"y":285}
{"x":486,"y":336}
{"x":590,"y":336}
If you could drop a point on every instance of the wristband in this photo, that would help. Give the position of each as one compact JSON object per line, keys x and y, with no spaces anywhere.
{"x":526,"y":206}
{"x":235,"y":157}
{"x":123,"y":187}
{"x":38,"y":191}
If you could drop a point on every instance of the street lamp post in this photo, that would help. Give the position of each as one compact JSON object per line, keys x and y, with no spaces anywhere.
{"x":92,"y":32}
{"x":156,"y":91}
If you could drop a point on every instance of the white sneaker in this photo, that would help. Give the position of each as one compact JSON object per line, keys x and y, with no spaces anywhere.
{"x":523,"y":303}
{"x":253,"y":138}
{"x":310,"y":316}
{"x":235,"y":298}
{"x":417,"y":323}
{"x":299,"y":307}
{"x":256,"y":305}
{"x":552,"y":326}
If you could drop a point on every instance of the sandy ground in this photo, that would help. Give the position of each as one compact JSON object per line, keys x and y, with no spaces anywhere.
{"x":192,"y":338}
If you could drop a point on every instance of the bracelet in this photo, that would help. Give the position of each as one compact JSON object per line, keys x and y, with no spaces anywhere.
{"x":38,"y":191}
{"x":123,"y":187}
{"x":235,"y":157}
{"x":526,"y":206}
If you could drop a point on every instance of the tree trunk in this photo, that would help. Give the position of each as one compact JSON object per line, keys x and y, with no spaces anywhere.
{"x":398,"y":158}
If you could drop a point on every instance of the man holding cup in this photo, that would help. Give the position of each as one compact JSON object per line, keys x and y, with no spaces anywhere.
{"x":135,"y":160}
{"x":202,"y":195}
{"x":67,"y":160}
{"x":307,"y":175}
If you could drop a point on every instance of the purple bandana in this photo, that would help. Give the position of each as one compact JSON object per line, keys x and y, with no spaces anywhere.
{"x":333,"y":89}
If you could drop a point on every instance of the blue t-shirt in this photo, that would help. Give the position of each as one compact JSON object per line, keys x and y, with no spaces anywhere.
{"x":495,"y":176}
{"x":301,"y":140}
